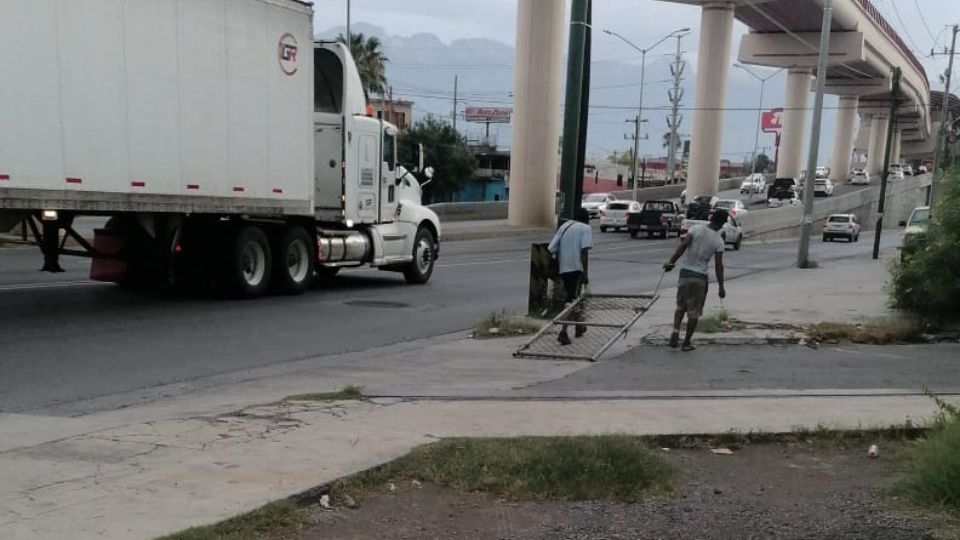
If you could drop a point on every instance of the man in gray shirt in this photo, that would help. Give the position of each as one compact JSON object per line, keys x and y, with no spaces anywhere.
{"x":700,"y":244}
{"x":570,"y":245}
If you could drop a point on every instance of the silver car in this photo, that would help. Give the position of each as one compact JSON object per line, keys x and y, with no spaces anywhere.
{"x":593,"y":203}
{"x":841,"y":226}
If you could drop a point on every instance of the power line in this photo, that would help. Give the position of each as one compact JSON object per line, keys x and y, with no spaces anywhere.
{"x":906,"y":31}
{"x":925,"y":25}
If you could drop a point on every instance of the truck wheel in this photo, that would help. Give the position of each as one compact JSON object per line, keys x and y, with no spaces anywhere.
{"x":293,"y":256}
{"x":248,"y":263}
{"x":419,"y":271}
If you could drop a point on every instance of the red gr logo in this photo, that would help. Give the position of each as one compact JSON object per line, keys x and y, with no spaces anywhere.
{"x":287,"y":54}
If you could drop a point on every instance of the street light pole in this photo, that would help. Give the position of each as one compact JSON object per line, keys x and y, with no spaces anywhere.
{"x":643,"y":70}
{"x":349,"y":41}
{"x":763,"y":82}
{"x":806,"y":226}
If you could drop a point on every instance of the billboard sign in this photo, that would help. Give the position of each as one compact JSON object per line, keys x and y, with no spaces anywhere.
{"x":772,"y":121}
{"x":489,"y":115}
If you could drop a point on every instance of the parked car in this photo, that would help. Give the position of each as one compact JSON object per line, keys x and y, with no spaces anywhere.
{"x":593,"y":203}
{"x":614,"y":215}
{"x":922,"y":170}
{"x":656,"y":217}
{"x":823,"y":172}
{"x":841,"y":226}
{"x":859,"y":177}
{"x":823,"y":187}
{"x":734,"y":206}
{"x":755,"y":183}
{"x":916,"y":230}
{"x":782,"y":192}
{"x":908,"y":170}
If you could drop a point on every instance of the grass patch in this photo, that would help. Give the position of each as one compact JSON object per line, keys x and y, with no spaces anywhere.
{"x":605,"y":468}
{"x":716,"y":322}
{"x":348,"y":393}
{"x":883,"y":332}
{"x":275,"y":520}
{"x":501,"y":324}
{"x":933,"y":473}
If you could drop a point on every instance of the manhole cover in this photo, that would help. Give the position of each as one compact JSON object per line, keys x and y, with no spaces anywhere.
{"x":377,"y":304}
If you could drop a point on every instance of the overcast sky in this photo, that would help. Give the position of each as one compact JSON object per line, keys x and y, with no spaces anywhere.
{"x":641,"y":20}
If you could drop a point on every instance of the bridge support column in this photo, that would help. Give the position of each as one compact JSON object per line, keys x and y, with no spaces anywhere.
{"x":713,"y":68}
{"x":538,"y":76}
{"x":843,"y":138}
{"x":863,"y":138}
{"x":878,"y":142}
{"x":794,"y":122}
{"x":897,"y":142}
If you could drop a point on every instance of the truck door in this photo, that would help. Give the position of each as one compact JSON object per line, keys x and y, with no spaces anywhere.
{"x":388,"y":179}
{"x":368,"y":157}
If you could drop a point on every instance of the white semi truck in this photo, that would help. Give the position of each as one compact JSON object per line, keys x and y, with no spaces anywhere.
{"x":226,"y":147}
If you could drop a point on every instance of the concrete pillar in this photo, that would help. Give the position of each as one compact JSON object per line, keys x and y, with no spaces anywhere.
{"x":794,"y":128}
{"x":713,"y":68}
{"x":538,"y":81}
{"x":843,"y":138}
{"x":878,"y":142}
{"x":863,"y":137}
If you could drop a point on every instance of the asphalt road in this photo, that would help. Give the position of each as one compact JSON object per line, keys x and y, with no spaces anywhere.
{"x":64,"y":339}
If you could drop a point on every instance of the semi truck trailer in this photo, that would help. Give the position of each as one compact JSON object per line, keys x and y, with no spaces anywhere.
{"x":224,"y":147}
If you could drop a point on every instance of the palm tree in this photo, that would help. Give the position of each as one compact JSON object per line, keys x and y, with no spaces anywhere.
{"x":371,"y":62}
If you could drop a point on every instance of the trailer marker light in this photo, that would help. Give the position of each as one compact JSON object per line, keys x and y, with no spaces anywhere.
{"x":4,"y":177}
{"x":178,"y":248}
{"x":278,"y":191}
{"x":239,"y":189}
{"x":73,"y":180}
{"x":50,"y":215}
{"x":349,"y":223}
{"x":138,"y":183}
{"x":193,"y":186}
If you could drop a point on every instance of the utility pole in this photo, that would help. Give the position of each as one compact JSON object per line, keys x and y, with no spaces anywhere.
{"x":881,"y":207}
{"x":572,"y":107}
{"x":584,"y":101}
{"x":803,"y":256}
{"x":941,"y":135}
{"x":636,"y":152}
{"x":676,"y":96}
{"x":456,"y":82}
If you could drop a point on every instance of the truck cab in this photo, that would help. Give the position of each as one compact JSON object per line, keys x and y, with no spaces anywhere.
{"x":367,"y":200}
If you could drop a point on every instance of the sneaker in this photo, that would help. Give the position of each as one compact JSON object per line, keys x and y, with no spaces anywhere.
{"x":674,"y":340}
{"x":564,"y":339}
{"x":687,"y":347}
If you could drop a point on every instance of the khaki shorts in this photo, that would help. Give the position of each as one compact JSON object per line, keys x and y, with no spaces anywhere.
{"x":691,"y":295}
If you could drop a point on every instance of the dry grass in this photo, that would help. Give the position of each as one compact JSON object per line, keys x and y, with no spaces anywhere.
{"x":502,"y":324}
{"x":881,"y":332}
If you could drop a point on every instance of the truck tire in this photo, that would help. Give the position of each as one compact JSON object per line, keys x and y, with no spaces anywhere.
{"x":420,"y":269}
{"x":247,"y":265}
{"x":294,"y":254}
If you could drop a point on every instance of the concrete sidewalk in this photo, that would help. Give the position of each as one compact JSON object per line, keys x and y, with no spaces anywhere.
{"x":201,"y":451}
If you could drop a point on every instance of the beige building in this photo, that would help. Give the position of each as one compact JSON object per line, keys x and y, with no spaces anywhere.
{"x":398,"y":112}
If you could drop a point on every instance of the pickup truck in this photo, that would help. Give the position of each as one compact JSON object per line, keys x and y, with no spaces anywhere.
{"x":660,"y":217}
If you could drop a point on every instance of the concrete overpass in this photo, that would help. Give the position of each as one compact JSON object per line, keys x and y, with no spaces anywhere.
{"x":783,"y":33}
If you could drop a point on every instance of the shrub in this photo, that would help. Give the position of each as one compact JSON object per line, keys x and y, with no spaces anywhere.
{"x":927,"y":281}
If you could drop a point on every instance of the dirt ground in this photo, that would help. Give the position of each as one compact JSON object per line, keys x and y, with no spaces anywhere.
{"x":786,"y":491}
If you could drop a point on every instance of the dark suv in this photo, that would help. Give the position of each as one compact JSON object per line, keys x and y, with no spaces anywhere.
{"x":656,"y":217}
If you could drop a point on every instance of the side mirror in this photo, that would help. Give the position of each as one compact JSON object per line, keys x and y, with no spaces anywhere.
{"x":903,"y":223}
{"x":428,"y":174}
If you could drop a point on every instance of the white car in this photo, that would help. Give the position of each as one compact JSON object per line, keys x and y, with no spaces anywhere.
{"x":922,"y":170}
{"x":841,"y":226}
{"x":908,"y":170}
{"x":755,"y":183}
{"x":593,"y":203}
{"x":614,"y":215}
{"x":859,"y":177}
{"x":734,"y":207}
{"x":822,"y":172}
{"x":732,"y":233}
{"x":822,"y":187}
{"x":896,"y":171}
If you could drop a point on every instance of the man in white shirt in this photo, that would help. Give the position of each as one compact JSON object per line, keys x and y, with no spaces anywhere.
{"x":700,"y":244}
{"x":571,"y":245}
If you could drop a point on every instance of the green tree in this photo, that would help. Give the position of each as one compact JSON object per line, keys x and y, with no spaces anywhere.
{"x":446,"y":151}
{"x":624,"y":159}
{"x":371,"y":62}
{"x":764,"y":163}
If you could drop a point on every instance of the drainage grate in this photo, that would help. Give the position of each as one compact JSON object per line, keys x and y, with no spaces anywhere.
{"x":605,"y":317}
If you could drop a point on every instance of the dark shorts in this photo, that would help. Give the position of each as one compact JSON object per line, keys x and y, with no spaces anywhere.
{"x":572,"y":283}
{"x":691,"y":295}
